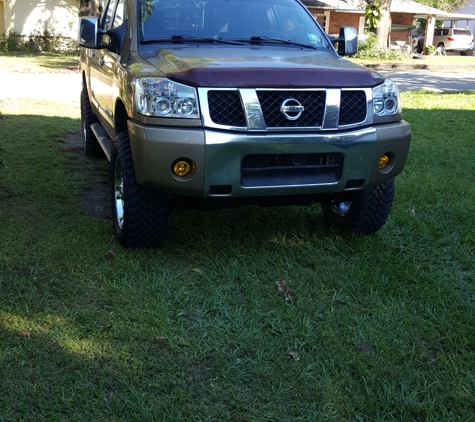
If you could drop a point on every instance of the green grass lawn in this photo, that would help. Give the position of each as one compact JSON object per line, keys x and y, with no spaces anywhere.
{"x":452,"y":60}
{"x":44,"y":62}
{"x":198,"y":331}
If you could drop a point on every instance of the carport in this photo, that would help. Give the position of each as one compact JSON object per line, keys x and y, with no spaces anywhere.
{"x":433,"y":15}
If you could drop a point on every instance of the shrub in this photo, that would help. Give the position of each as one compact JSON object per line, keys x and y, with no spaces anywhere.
{"x":13,"y":42}
{"x":38,"y":41}
{"x":368,"y":48}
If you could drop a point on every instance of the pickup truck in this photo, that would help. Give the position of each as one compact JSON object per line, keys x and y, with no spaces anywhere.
{"x":222,"y":103}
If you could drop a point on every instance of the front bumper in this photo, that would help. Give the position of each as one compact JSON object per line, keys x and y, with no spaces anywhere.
{"x":218,"y":157}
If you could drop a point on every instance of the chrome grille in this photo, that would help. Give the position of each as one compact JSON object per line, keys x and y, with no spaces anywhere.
{"x":225,"y":108}
{"x":312,"y":101}
{"x":260,"y":109}
{"x":352,"y":107}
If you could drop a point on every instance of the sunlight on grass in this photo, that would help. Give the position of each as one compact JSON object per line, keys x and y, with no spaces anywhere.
{"x":44,"y":62}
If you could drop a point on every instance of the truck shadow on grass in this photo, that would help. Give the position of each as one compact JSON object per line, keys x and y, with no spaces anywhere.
{"x":288,"y":226}
{"x":94,"y":196}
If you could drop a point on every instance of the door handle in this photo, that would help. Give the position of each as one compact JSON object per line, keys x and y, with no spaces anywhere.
{"x":101,"y":62}
{"x":93,"y":54}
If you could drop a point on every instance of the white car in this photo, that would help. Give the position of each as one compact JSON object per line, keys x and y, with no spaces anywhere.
{"x":454,"y":39}
{"x":451,"y":39}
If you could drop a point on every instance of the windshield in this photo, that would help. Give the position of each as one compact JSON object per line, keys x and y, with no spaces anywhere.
{"x":263,"y":20}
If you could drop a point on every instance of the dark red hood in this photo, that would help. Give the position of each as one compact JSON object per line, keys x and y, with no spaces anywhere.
{"x":263,"y":67}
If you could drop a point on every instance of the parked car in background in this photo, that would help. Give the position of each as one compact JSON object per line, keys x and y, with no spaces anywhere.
{"x":451,"y":39}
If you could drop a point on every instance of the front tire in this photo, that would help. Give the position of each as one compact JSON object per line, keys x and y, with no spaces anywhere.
{"x":366,"y":212}
{"x":139,"y":214}
{"x":90,"y":144}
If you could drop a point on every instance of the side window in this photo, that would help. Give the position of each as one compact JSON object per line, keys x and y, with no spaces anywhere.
{"x":108,"y":15}
{"x":119,"y":14}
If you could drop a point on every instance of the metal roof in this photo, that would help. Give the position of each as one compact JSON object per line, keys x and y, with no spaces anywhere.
{"x":397,"y":6}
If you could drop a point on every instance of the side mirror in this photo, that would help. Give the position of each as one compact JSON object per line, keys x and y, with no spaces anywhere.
{"x":88,"y":32}
{"x":347,"y":41}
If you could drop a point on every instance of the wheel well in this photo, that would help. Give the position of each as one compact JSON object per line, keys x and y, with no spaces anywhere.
{"x":441,"y":44}
{"x":120,"y":119}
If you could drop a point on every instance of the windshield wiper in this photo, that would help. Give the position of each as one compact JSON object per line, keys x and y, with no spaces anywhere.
{"x":184,"y":37}
{"x":261,"y":39}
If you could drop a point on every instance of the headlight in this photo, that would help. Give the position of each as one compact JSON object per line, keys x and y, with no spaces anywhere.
{"x":164,"y":98}
{"x":386,"y":99}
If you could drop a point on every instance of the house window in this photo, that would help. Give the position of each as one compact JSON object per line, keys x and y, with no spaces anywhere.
{"x":323,"y":20}
{"x":363,"y":25}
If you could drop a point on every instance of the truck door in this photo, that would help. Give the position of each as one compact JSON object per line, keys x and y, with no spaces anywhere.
{"x":103,"y":64}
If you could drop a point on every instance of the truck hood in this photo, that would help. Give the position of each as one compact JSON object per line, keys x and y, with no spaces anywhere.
{"x":264,"y":67}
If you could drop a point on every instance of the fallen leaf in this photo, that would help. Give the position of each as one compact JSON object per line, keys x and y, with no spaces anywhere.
{"x":281,"y":285}
{"x":413,"y":212}
{"x":25,"y":334}
{"x":288,"y":292}
{"x":365,"y":348}
{"x":292,"y":297}
{"x":294,"y":355}
{"x":109,"y":255}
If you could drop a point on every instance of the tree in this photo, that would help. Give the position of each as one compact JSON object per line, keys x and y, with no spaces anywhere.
{"x":446,"y":5}
{"x":378,"y":16}
{"x":90,"y":8}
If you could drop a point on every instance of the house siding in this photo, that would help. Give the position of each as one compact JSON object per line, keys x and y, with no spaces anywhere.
{"x":58,"y":17}
{"x":401,"y":19}
{"x":339,"y":19}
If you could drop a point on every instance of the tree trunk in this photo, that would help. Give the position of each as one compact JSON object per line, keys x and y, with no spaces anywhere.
{"x":90,"y":8}
{"x":384,"y":27}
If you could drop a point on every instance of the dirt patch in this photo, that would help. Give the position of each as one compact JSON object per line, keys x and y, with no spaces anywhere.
{"x":94,"y":198}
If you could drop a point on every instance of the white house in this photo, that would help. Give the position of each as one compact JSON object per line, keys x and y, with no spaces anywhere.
{"x":30,"y":16}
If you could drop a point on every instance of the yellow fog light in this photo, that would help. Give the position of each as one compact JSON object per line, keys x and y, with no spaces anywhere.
{"x":183,"y":167}
{"x":384,"y":162}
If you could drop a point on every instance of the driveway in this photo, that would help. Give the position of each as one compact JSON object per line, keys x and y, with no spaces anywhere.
{"x":60,"y":87}
{"x":432,"y":81}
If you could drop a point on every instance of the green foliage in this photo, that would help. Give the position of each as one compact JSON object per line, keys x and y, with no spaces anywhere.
{"x":430,"y":48}
{"x":37,"y":41}
{"x":372,"y":14}
{"x":368,"y":47}
{"x":421,"y":25}
{"x":447,"y":5}
{"x":12,"y":42}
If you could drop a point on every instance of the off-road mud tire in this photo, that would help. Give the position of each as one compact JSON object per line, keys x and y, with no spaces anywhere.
{"x":90,"y":144}
{"x":367,"y":211}
{"x":144,"y":211}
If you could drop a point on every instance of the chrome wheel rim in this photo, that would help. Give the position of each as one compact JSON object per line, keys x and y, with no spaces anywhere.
{"x":119,"y":195}
{"x":83,"y":134}
{"x":83,"y":125}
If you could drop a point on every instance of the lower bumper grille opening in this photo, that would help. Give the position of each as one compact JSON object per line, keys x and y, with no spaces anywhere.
{"x":290,"y":169}
{"x":220,"y":189}
{"x":354,"y":184}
